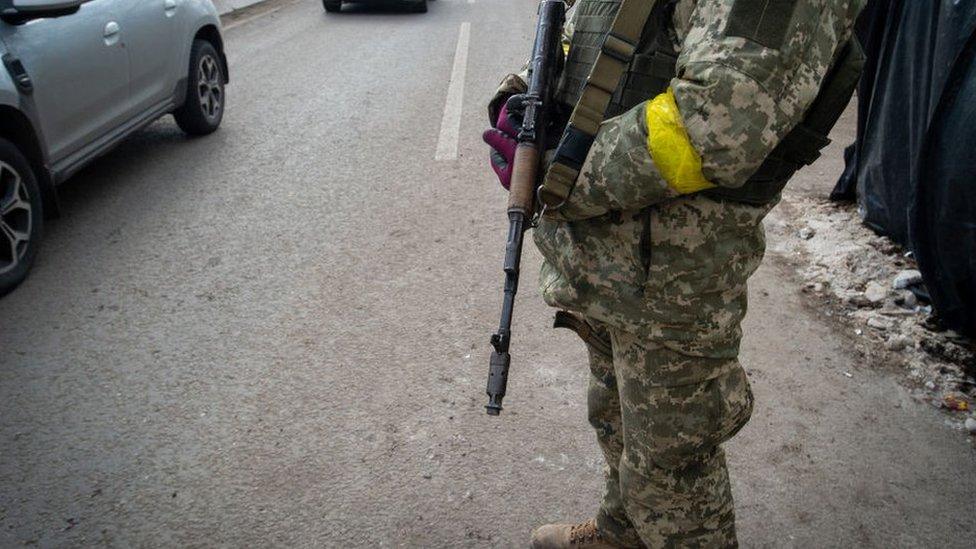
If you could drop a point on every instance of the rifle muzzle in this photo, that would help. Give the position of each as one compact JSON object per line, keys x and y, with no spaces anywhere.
{"x":497,"y":381}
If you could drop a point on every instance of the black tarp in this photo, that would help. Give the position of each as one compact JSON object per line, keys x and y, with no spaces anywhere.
{"x":913,"y":167}
{"x":870,"y":30}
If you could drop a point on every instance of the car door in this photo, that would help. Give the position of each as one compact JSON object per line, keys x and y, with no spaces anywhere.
{"x":79,"y":71}
{"x":153,"y":45}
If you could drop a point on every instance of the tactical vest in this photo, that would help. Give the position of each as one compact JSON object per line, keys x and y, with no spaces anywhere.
{"x":651,"y":70}
{"x":654,"y":66}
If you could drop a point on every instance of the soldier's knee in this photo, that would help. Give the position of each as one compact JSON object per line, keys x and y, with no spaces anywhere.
{"x":676,"y":425}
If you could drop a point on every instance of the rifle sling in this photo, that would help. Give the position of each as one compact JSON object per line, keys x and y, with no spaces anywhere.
{"x":590,"y":111}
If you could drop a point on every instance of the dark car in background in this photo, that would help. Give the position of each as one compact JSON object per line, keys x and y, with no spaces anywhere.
{"x":416,"y":6}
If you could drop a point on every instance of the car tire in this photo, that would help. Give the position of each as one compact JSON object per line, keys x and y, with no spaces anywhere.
{"x":419,"y":7}
{"x":203,"y":109}
{"x":332,"y":6}
{"x":21,"y":217}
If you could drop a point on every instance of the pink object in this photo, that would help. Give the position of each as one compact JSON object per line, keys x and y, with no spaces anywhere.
{"x":502,"y":140}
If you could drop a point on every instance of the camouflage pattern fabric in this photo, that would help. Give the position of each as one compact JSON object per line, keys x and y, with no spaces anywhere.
{"x":511,"y":85}
{"x":675,"y":273}
{"x":603,"y":407}
{"x":665,"y":275}
{"x":665,"y":486}
{"x":738,"y":99}
{"x":673,"y":390}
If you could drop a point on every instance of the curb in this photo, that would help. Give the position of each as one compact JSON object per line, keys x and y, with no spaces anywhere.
{"x":227,"y":6}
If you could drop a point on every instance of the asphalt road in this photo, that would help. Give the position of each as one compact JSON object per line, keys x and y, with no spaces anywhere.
{"x":277,"y":335}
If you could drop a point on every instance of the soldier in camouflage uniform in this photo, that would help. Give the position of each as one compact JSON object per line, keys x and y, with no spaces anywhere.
{"x":659,"y":236}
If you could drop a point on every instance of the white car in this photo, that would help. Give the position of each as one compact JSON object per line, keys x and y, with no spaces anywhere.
{"x":81,"y":75}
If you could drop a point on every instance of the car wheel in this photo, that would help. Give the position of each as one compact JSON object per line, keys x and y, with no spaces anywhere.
{"x":332,"y":6}
{"x":420,"y":7}
{"x":21,"y":217}
{"x":203,"y":108}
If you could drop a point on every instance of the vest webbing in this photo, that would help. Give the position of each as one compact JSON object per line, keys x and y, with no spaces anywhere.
{"x":615,"y":56}
{"x":651,"y":68}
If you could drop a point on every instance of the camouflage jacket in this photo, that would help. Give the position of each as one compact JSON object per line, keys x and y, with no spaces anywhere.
{"x":740,"y":91}
{"x":742,"y":84}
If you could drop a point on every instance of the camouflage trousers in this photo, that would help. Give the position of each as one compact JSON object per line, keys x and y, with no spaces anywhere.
{"x":666,"y":479}
{"x":667,"y":288}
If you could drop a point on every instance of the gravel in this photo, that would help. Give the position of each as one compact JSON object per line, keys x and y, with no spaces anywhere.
{"x":875,"y":292}
{"x":906,"y":279}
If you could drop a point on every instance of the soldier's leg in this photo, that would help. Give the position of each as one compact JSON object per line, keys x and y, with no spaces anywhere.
{"x":603,"y":406}
{"x":673,"y":477}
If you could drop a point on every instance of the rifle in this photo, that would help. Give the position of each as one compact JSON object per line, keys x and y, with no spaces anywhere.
{"x":543,"y":72}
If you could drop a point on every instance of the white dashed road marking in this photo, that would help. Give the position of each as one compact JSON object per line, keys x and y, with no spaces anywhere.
{"x":447,"y":144}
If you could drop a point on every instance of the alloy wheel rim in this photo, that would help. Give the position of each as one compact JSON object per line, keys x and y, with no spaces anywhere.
{"x":209,"y":89}
{"x":16,"y":218}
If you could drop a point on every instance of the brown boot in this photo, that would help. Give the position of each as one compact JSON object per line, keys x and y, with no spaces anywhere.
{"x":584,"y":535}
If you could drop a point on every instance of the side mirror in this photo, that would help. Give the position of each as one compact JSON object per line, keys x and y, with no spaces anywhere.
{"x":19,"y":11}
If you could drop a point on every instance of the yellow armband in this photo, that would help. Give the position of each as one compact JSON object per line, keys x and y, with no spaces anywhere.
{"x":671,"y":149}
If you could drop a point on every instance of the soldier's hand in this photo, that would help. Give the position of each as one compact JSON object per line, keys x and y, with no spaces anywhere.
{"x":502,"y":138}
